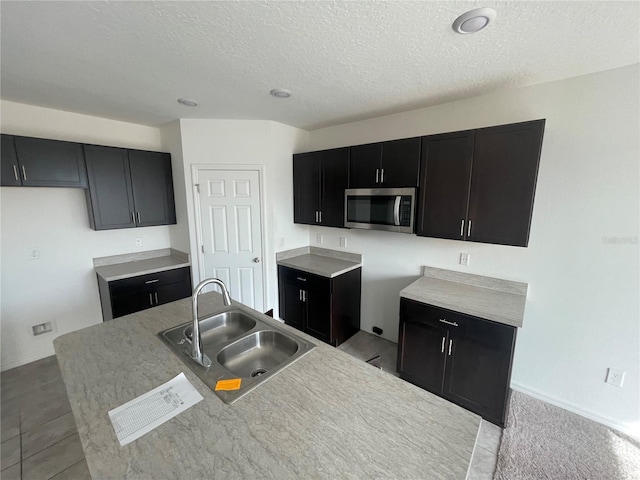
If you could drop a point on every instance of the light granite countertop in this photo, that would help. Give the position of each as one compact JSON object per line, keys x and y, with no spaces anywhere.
{"x":499,"y":300}
{"x":131,"y":265}
{"x":320,"y":261}
{"x":327,"y":415}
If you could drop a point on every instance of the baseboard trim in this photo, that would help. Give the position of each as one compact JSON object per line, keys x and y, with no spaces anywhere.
{"x":626,"y":428}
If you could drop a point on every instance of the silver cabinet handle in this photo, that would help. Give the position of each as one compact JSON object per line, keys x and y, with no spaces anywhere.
{"x":156,"y":295}
{"x":150,"y":300}
{"x":299,"y":295}
{"x":377,"y":175}
{"x":138,"y":217}
{"x":442,"y":349}
{"x":24,"y":173}
{"x":304,"y":295}
{"x":256,"y":260}
{"x":151,"y":281}
{"x":15,"y":173}
{"x":450,"y":343}
{"x":382,"y":176}
{"x":133,"y":218}
{"x":469,"y":229}
{"x":462,"y":228}
{"x":453,"y":324}
{"x":320,"y":216}
{"x":301,"y":279}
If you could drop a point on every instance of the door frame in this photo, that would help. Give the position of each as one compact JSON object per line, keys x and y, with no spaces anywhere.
{"x":260,"y":170}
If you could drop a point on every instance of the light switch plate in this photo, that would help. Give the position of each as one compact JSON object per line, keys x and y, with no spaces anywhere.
{"x":319,"y":238}
{"x":343,"y":242}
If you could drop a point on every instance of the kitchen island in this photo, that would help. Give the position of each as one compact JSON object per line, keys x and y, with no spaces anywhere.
{"x":327,"y":415}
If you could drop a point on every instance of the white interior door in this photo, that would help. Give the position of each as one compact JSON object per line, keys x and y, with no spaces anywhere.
{"x":231,"y":232}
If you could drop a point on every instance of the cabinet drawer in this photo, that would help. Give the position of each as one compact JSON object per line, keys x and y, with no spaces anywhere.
{"x":421,"y":313}
{"x":298,"y":277}
{"x":152,"y":280}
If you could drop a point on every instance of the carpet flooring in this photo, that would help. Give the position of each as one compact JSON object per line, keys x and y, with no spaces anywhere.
{"x":542,"y":441}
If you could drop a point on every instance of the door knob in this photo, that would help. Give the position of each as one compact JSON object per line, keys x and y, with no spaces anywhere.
{"x":256,"y":260}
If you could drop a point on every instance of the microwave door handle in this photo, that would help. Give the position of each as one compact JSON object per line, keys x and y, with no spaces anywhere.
{"x":396,"y":210}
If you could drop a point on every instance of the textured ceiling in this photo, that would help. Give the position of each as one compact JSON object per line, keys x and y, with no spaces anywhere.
{"x":343,"y":61}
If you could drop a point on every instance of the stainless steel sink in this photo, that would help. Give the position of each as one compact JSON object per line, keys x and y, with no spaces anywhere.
{"x":257,"y":353}
{"x":240,"y":345}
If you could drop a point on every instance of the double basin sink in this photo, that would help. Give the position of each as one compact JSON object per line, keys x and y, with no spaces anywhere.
{"x":240,"y":346}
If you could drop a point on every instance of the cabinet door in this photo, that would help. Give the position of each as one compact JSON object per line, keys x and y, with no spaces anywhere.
{"x":334,"y":181}
{"x":152,"y":184}
{"x":400,"y":163}
{"x":292,"y":308}
{"x":364,"y":165}
{"x":110,"y":197}
{"x":318,"y":304}
{"x":444,"y":185}
{"x":503,"y":182}
{"x":133,"y":302}
{"x":306,"y":188}
{"x":421,"y":347}
{"x":50,"y":163}
{"x":478,"y":368}
{"x":10,"y":174}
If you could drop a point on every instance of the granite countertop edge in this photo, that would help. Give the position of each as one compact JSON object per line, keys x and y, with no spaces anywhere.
{"x":120,"y":271}
{"x":457,"y":300}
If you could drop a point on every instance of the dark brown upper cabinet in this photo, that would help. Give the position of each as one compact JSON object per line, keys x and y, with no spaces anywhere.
{"x":10,"y":174}
{"x":391,"y":164}
{"x":319,"y":182}
{"x":479,"y":185}
{"x":128,"y":188}
{"x":38,"y":162}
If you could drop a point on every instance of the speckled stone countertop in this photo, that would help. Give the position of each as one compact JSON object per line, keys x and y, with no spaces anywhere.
{"x":320,"y":261}
{"x":499,"y":300}
{"x":327,"y":415}
{"x":131,"y":265}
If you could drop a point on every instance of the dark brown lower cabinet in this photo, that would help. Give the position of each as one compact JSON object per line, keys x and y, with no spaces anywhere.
{"x":130,"y":295}
{"x":325,"y":308}
{"x":462,"y":358}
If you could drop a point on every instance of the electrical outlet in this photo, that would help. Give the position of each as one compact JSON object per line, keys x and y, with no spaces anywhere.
{"x":319,"y":238}
{"x":615,"y":377}
{"x":138,"y":241}
{"x":34,"y":254}
{"x":343,"y":242}
{"x":464,"y":259}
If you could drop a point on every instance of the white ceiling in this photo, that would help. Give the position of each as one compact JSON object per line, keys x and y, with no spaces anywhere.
{"x":343,"y":61}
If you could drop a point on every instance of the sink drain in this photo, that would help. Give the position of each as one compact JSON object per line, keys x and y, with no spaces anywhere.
{"x":258,"y":372}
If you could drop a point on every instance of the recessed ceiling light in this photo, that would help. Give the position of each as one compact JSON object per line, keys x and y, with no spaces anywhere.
{"x":187,"y":102}
{"x":474,"y":21}
{"x":280,"y":93}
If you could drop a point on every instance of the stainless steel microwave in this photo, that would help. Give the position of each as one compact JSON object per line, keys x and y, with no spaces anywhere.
{"x":390,"y":209}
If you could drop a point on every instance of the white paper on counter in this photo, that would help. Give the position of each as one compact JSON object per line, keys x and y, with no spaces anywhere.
{"x":150,"y":410}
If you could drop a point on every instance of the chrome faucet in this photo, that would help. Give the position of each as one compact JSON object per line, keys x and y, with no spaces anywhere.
{"x":196,"y":342}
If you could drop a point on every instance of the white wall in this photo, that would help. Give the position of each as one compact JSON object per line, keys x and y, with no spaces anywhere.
{"x":61,"y":286}
{"x":582,"y":313}
{"x":248,"y":142}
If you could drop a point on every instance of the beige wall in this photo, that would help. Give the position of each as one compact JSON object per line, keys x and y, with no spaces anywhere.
{"x":60,"y":287}
{"x":582,"y":314}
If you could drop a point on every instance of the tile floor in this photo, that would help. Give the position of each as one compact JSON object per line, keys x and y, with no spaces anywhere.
{"x":40,"y":440}
{"x":364,"y":345}
{"x":39,"y":436}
